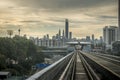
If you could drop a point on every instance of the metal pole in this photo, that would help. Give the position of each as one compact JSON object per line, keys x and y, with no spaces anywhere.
{"x":119,"y":14}
{"x":118,"y":19}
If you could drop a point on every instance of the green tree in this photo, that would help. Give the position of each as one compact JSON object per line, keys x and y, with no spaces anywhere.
{"x":2,"y":62}
{"x":116,"y":47}
{"x":21,"y":50}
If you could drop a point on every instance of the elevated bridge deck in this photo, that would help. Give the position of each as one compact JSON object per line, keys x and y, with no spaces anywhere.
{"x":79,"y":65}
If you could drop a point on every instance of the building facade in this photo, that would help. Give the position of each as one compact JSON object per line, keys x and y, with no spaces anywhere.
{"x":70,"y":35}
{"x":66,"y":28}
{"x":110,"y":35}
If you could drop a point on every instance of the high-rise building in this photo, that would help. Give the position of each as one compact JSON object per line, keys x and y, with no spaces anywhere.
{"x":47,"y":36}
{"x":63,"y":34}
{"x":44,"y":37}
{"x":70,"y":35}
{"x":66,"y":28}
{"x":101,"y":39}
{"x":88,"y":38}
{"x":110,"y":35}
{"x":93,"y":37}
{"x":59,"y":33}
{"x":57,"y":36}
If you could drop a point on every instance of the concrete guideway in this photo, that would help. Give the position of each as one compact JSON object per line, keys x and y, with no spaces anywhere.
{"x":80,"y":71}
{"x":79,"y":65}
{"x":105,"y":68}
{"x":110,"y":66}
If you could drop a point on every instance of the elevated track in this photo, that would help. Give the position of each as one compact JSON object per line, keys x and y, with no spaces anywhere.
{"x":79,"y":65}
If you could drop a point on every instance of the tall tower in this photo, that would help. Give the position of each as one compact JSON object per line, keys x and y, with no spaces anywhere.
{"x":70,"y":35}
{"x":93,"y":38}
{"x":66,"y":28}
{"x":63,"y":34}
{"x":59,"y":33}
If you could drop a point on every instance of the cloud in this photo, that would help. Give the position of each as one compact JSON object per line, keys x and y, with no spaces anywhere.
{"x":108,"y":17}
{"x":56,"y":19}
{"x":30,"y":21}
{"x":63,"y":4}
{"x":47,"y":16}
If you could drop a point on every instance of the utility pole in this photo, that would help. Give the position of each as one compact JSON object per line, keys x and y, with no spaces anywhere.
{"x":119,"y":14}
{"x":118,"y":19}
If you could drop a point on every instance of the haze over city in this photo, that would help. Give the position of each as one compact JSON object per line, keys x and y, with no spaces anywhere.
{"x":40,"y":17}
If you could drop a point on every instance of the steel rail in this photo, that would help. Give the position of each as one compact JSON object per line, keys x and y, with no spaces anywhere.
{"x":103,"y":70}
{"x":92,"y":75}
{"x":114,"y":61}
{"x":67,"y":72}
{"x":110,"y":56}
{"x":45,"y":74}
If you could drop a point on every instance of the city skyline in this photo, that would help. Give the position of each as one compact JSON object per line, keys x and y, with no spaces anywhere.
{"x":41,"y":17}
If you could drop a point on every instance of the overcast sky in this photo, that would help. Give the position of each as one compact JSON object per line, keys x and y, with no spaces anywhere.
{"x":41,"y":17}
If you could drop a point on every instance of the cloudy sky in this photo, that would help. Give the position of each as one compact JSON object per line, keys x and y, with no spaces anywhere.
{"x":41,"y":17}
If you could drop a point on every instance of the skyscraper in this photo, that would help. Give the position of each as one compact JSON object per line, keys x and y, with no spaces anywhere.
{"x":63,"y":34}
{"x":93,"y":38}
{"x":59,"y":33}
{"x":70,"y":35}
{"x":47,"y":36}
{"x":88,"y":38}
{"x":110,"y":35}
{"x":66,"y":28}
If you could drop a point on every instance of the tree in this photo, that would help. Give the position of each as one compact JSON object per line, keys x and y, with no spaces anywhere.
{"x":116,"y":47}
{"x":2,"y":62}
{"x":10,"y":32}
{"x":18,"y":54}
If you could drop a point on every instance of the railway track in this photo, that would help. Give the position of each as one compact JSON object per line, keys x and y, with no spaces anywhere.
{"x":110,"y":58}
{"x":78,"y":69}
{"x":81,"y":66}
{"x":106,"y":70}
